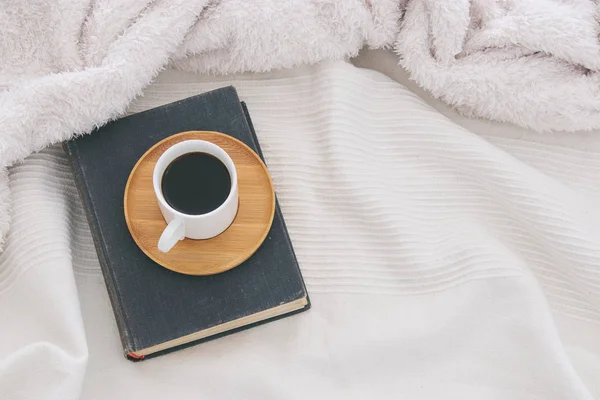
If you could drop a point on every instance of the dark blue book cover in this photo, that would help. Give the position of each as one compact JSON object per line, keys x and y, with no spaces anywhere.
{"x":158,"y":310}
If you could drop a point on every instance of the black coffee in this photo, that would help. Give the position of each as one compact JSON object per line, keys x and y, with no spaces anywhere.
{"x":196,"y":183}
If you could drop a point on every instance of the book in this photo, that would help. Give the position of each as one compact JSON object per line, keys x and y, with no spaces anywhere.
{"x":158,"y":310}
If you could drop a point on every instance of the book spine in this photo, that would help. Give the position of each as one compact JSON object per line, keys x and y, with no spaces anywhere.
{"x":109,"y":280}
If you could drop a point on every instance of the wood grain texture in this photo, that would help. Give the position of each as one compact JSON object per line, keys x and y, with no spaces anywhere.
{"x":211,"y":256}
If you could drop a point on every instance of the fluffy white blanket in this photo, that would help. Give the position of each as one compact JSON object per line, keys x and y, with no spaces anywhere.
{"x":67,"y":66}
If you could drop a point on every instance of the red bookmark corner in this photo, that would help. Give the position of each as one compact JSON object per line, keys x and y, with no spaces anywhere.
{"x":135,"y":356}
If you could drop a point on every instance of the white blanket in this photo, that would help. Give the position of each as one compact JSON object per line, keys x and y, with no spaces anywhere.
{"x":67,"y":66}
{"x":441,"y":263}
{"x":535,"y":63}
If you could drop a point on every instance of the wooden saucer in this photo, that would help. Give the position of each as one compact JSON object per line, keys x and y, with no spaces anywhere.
{"x":211,"y":256}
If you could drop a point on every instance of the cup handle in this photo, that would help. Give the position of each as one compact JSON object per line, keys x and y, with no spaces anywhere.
{"x":173,"y":233}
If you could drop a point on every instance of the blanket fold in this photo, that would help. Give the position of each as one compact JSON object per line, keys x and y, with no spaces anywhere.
{"x":535,"y":63}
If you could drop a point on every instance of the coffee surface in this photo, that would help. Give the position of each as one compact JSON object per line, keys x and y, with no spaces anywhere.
{"x":196,"y":183}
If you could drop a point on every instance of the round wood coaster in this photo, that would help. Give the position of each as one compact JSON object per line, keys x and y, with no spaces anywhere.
{"x":210,"y":256}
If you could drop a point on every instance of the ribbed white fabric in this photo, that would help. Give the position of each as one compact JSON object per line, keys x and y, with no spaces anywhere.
{"x":441,"y":263}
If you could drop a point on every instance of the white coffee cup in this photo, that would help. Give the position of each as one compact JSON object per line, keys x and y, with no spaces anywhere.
{"x":202,"y":226}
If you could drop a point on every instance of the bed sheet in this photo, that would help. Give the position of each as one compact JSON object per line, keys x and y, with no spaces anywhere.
{"x":445,"y":257}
